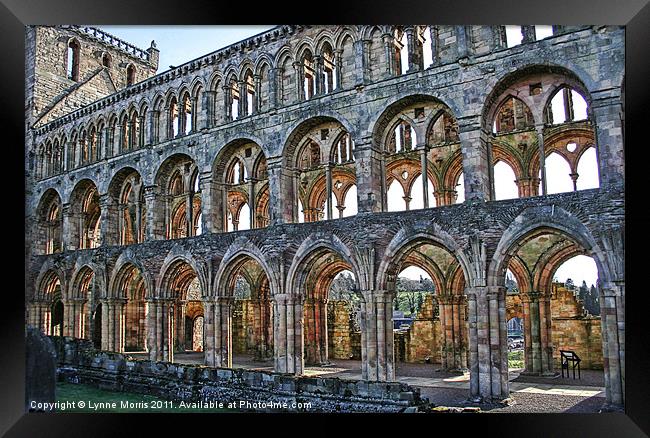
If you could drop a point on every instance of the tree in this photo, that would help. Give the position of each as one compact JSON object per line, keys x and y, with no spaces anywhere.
{"x":569,"y":284}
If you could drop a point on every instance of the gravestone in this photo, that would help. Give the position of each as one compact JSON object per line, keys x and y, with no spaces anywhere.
{"x":40,"y":369}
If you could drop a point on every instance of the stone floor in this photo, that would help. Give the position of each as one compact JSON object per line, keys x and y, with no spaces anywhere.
{"x":528,"y":393}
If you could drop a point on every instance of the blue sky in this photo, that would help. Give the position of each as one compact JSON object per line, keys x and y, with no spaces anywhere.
{"x":179,"y":44}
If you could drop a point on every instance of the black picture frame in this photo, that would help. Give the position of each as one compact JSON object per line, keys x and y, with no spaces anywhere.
{"x":15,"y":14}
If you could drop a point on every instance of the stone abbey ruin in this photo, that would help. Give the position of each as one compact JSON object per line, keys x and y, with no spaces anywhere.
{"x":211,"y":207}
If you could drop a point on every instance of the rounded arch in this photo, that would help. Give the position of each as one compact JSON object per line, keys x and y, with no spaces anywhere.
{"x":238,"y":253}
{"x":50,"y":284}
{"x":299,"y":129}
{"x":575,"y":76}
{"x":380,"y":123}
{"x":80,"y":282}
{"x":342,"y":34}
{"x":407,"y":239}
{"x":124,"y":266}
{"x":262,"y":60}
{"x":313,"y":248}
{"x":176,"y":275}
{"x":540,"y":220}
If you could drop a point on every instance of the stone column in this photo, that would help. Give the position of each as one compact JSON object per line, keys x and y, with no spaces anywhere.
{"x":613,"y":332}
{"x":155,"y":223}
{"x":318,"y":71}
{"x":288,"y":343}
{"x":537,"y":334}
{"x":252,"y":203}
{"x":474,"y":147}
{"x":222,"y":321}
{"x":462,"y":41}
{"x":488,"y":343}
{"x":452,"y":324}
{"x":154,"y":127}
{"x":70,"y":235}
{"x":424,"y":165}
{"x":106,"y":336}
{"x":243,"y":99}
{"x":542,"y":156}
{"x":435,"y":46}
{"x":370,"y":190}
{"x":68,"y":328}
{"x":208,"y":117}
{"x":282,"y":196}
{"x":227,"y":103}
{"x":528,"y":33}
{"x":338,"y":69}
{"x":275,"y":79}
{"x":606,"y":109}
{"x":389,"y":47}
{"x":257,"y":83}
{"x":160,"y":329}
{"x":359,"y":63}
{"x":109,"y":217}
{"x":377,"y":351}
{"x":328,"y":190}
{"x":300,"y":80}
{"x":498,"y":37}
{"x":179,"y":322}
{"x":414,"y":50}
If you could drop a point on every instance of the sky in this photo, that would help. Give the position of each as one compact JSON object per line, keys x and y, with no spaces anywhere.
{"x":180,"y":44}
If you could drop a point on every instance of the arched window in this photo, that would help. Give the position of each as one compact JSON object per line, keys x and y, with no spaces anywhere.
{"x":249,"y":85}
{"x":401,"y":52}
{"x":567,"y":105}
{"x":402,"y":139}
{"x":73,"y":60}
{"x":173,"y":118}
{"x":234,"y":99}
{"x":106,"y":60}
{"x":427,"y":48}
{"x":130,"y":75}
{"x":505,"y":186}
{"x":329,"y":69}
{"x":343,"y":150}
{"x":309,"y":74}
{"x":309,"y":156}
{"x":186,"y":114}
{"x":513,"y":115}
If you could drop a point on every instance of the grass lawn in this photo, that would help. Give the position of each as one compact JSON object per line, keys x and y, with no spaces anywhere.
{"x":516,"y":359}
{"x":90,"y":397}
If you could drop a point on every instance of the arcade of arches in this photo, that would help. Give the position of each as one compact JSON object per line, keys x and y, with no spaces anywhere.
{"x":281,"y":239}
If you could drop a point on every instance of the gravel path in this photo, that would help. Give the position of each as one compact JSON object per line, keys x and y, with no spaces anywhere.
{"x":524,"y":402}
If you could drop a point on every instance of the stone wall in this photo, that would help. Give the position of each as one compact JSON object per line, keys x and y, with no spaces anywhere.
{"x":575,"y":329}
{"x":54,"y":95}
{"x":78,"y":362}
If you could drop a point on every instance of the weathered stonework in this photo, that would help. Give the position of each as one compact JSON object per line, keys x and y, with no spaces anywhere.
{"x":78,"y":362}
{"x":154,"y":183}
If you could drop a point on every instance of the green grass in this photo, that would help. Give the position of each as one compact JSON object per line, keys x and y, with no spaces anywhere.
{"x":516,"y":359}
{"x":90,"y":396}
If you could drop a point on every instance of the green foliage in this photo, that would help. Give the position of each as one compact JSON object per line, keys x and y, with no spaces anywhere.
{"x":69,"y":392}
{"x":516,"y":359}
{"x":589,"y":297}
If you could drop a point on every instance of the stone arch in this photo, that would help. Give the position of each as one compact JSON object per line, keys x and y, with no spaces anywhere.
{"x":408,"y":238}
{"x":542,"y":218}
{"x":573,"y":75}
{"x":172,"y":268}
{"x":379,"y":122}
{"x":315,"y":246}
{"x":46,"y":280}
{"x":242,"y":248}
{"x":85,"y":205}
{"x":125,"y":262}
{"x":48,"y":235}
